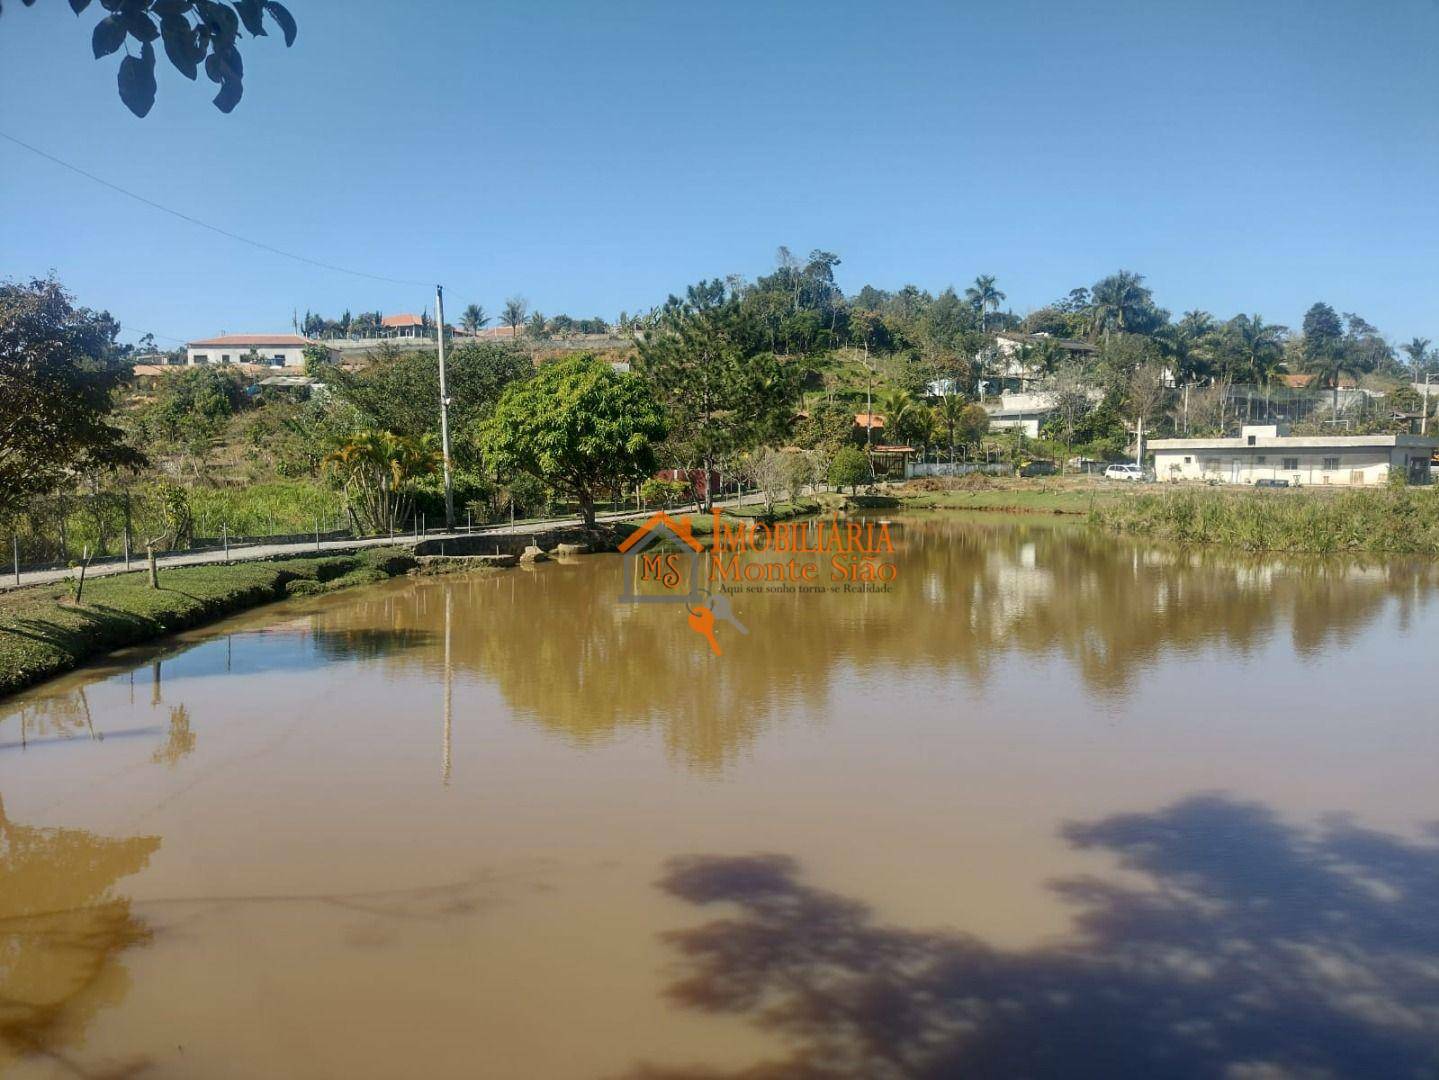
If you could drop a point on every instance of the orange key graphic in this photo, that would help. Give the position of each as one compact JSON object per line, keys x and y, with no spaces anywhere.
{"x":702,"y":621}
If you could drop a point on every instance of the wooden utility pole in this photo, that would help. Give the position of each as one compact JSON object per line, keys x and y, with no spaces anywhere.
{"x":444,"y":406}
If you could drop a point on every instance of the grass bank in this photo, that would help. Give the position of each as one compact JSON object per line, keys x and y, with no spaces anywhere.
{"x":43,"y":632}
{"x":1059,"y":495}
{"x":1397,"y":521}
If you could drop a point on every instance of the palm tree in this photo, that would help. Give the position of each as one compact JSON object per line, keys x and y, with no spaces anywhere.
{"x":983,"y":295}
{"x":1115,"y":301}
{"x":378,"y":469}
{"x":895,"y":406}
{"x":949,"y":415}
{"x":473,"y":318}
{"x":1418,"y":350}
{"x":1258,"y":345}
{"x":517,"y":308}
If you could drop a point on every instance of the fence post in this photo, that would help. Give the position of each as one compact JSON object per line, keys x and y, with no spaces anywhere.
{"x":225,"y":538}
{"x":127,"y":545}
{"x":468,"y":526}
{"x":15,"y":540}
{"x":317,"y":532}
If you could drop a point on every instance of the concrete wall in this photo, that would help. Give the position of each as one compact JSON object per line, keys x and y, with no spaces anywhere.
{"x":294,"y":355}
{"x":1244,"y":465}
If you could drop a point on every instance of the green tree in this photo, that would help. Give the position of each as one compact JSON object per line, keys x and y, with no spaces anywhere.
{"x":578,"y":425}
{"x":515,"y":311}
{"x":1323,"y":349}
{"x":1121,"y":302}
{"x":474,"y":318}
{"x":984,"y":295}
{"x":1253,"y":347}
{"x":400,"y":392}
{"x":1417,"y":350}
{"x":58,"y":367}
{"x":723,"y":390}
{"x":195,"y":34}
{"x":850,"y":468}
{"x":379,"y":470}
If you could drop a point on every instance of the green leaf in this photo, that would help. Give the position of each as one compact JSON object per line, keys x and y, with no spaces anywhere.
{"x":163,"y":8}
{"x":137,"y":80}
{"x":282,"y":16}
{"x":229,"y":95}
{"x":138,"y":25}
{"x":180,"y":45}
{"x":252,"y":14}
{"x":78,"y":6}
{"x":109,"y":35}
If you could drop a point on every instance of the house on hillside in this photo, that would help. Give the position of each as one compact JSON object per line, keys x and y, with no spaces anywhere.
{"x":1016,"y":361}
{"x":1265,"y":453}
{"x":270,"y":350}
{"x":404,"y":325}
{"x":1027,"y":412}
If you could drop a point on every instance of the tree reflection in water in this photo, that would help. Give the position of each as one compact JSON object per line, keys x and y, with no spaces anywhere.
{"x":62,"y":929}
{"x":567,"y":655}
{"x":1256,"y":950}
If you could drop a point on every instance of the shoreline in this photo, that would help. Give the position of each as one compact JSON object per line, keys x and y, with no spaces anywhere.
{"x":44,"y":633}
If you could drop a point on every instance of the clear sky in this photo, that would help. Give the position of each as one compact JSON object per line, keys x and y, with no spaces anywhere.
{"x":597,"y":156}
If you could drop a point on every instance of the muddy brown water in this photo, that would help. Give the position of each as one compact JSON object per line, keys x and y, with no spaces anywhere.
{"x":1056,"y":805}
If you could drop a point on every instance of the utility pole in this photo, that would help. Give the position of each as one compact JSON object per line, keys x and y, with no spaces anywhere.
{"x":444,"y":406}
{"x":1424,"y":411}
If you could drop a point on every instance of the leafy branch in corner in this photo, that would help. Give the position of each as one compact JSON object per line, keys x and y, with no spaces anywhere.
{"x":195,"y":34}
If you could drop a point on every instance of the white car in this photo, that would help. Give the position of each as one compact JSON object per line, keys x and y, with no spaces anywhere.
{"x":1124,"y":472}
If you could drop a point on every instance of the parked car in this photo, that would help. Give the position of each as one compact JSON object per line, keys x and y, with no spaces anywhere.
{"x":1271,"y":483}
{"x":1124,"y":472}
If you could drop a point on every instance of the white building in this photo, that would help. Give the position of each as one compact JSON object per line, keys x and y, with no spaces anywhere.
{"x":1027,"y":411}
{"x":277,"y":350}
{"x":1262,"y":453}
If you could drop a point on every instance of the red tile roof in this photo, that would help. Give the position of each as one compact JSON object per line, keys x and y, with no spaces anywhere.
{"x":405,"y":319}
{"x":289,"y":340}
{"x":872,"y":420}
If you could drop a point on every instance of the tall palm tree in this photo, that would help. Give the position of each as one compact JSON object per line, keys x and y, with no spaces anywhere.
{"x":517,"y":308}
{"x":473,"y":318}
{"x":1115,"y":301}
{"x":949,"y":414}
{"x":1259,"y":346}
{"x":1418,"y":350}
{"x":984,"y":295}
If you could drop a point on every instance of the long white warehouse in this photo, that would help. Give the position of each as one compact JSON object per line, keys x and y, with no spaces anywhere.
{"x":1263,"y":454}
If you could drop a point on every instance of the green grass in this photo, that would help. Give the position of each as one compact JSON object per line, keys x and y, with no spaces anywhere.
{"x":43,"y":632}
{"x":1402,"y":521}
{"x":1020,"y":496}
{"x":280,"y":506}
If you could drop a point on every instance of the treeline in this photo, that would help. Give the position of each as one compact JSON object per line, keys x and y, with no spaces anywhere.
{"x":723,"y":376}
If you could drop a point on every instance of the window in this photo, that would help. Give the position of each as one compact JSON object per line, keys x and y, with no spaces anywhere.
{"x":279,"y":359}
{"x":1260,"y":460}
{"x":202,"y":358}
{"x":1291,"y":463}
{"x":1189,"y":461}
{"x":1251,"y":440}
{"x":224,"y":358}
{"x":1331,"y":464}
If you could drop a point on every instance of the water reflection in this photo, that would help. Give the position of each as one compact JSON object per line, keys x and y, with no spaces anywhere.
{"x":568,"y":656}
{"x":62,"y":929}
{"x":1254,"y":948}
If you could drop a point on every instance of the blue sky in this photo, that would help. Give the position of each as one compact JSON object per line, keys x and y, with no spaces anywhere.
{"x":595,"y":157}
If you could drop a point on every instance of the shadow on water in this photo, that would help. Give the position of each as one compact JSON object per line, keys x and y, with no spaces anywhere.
{"x":62,"y":930}
{"x":1255,"y":950}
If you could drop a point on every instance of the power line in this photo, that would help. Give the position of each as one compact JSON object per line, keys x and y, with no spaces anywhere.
{"x":205,"y":224}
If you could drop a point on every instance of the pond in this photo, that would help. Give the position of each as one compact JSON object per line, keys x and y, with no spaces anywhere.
{"x":1054,"y":804}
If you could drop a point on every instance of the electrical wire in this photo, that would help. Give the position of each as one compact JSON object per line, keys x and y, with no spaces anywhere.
{"x":205,"y":224}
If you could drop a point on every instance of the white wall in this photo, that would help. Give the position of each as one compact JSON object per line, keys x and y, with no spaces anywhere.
{"x":1242,"y":465}
{"x":294,"y":355}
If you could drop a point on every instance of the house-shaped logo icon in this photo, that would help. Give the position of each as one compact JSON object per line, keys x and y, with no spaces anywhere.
{"x":658,"y":528}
